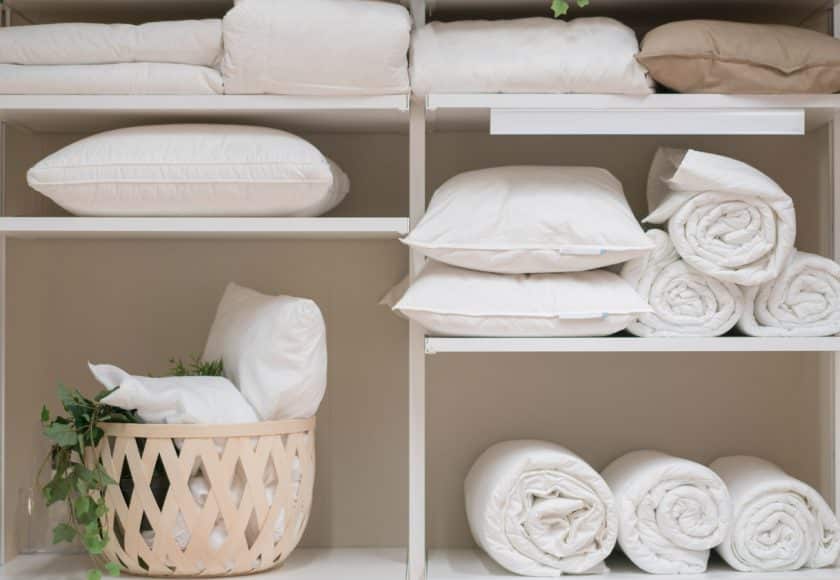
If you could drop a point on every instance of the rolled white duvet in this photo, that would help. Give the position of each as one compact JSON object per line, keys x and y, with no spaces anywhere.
{"x":671,"y":511}
{"x":803,"y":301}
{"x":685,"y":301}
{"x":725,"y":218}
{"x":539,"y":510}
{"x":780,"y":523}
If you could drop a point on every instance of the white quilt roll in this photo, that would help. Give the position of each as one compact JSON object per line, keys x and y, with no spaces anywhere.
{"x":685,"y":301}
{"x":780,"y":523}
{"x":725,"y":218}
{"x":803,"y":301}
{"x":671,"y":511}
{"x":539,"y":510}
{"x":197,"y":42}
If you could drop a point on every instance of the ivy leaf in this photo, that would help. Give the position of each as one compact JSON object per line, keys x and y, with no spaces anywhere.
{"x":94,"y":574}
{"x":63,"y":533}
{"x":559,"y":7}
{"x":61,"y":434}
{"x":45,"y":414}
{"x":583,"y":3}
{"x":112,"y":568}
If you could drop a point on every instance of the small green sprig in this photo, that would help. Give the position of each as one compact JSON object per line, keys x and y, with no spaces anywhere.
{"x":197,"y":367}
{"x":561,"y":7}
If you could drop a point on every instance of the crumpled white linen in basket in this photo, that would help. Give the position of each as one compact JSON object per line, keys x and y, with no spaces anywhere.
{"x":671,"y":511}
{"x":527,"y":55}
{"x":685,"y":301}
{"x":539,"y":510}
{"x":780,"y":523}
{"x":803,"y":301}
{"x":725,"y":218}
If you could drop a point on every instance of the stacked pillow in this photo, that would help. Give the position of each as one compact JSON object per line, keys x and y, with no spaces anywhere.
{"x":516,"y":252}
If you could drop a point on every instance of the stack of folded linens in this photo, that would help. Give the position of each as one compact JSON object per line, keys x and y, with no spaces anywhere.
{"x":165,"y":58}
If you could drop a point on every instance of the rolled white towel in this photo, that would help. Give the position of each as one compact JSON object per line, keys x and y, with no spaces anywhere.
{"x":803,"y":301}
{"x":725,"y":218}
{"x":685,"y":301}
{"x":780,"y":523}
{"x":539,"y":510}
{"x":671,"y":511}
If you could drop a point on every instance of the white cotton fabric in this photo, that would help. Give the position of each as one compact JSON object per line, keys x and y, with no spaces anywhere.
{"x":175,"y":400}
{"x":780,"y":523}
{"x":685,"y":301}
{"x":530,"y":219}
{"x":274,"y":348}
{"x":529,"y":55}
{"x":539,"y":510}
{"x":129,"y":78}
{"x":191,"y":170}
{"x":197,"y":42}
{"x":456,"y":302}
{"x":725,"y":218}
{"x":671,"y":511}
{"x":803,"y":301}
{"x":316,"y":47}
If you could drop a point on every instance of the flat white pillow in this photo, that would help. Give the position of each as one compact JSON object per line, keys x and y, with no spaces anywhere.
{"x":456,"y":302}
{"x":191,"y":170}
{"x":274,"y":348}
{"x":316,"y":47}
{"x":528,"y":220}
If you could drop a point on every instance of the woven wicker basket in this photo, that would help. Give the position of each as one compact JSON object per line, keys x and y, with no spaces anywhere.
{"x":257,"y":479}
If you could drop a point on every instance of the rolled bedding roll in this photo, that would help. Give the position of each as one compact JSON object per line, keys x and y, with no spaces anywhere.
{"x":780,"y":523}
{"x":671,"y":511}
{"x":803,"y":301}
{"x":725,"y":218}
{"x":685,"y":301}
{"x":539,"y":510}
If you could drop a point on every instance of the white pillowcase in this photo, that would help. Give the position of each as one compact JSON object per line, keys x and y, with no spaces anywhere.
{"x":316,"y":47}
{"x":529,"y":55}
{"x":456,"y":302}
{"x":526,"y":220}
{"x":274,"y":348}
{"x":191,"y":170}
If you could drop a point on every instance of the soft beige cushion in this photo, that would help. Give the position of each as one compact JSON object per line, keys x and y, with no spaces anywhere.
{"x":708,"y":56}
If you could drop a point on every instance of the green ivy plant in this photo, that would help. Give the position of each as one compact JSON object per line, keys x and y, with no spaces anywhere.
{"x":196,"y":367}
{"x":561,"y":7}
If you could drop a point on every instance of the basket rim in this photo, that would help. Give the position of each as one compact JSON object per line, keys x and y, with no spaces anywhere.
{"x":205,"y":431}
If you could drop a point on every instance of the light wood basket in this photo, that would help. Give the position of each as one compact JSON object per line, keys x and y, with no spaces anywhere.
{"x":259,"y":480}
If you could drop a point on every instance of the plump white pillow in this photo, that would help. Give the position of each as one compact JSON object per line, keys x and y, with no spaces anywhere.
{"x":528,"y":220}
{"x":274,"y":348}
{"x":316,"y":47}
{"x":191,"y":170}
{"x":457,"y":302}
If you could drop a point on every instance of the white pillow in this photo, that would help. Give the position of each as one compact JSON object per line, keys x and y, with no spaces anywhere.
{"x":527,"y":220}
{"x":529,"y":55}
{"x":274,"y":348}
{"x":456,"y":302}
{"x":316,"y":47}
{"x":191,"y":170}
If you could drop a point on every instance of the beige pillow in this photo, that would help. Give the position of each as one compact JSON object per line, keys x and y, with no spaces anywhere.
{"x":709,"y":56}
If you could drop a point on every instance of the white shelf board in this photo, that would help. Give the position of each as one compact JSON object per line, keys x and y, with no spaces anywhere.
{"x":435,"y":345}
{"x":466,"y":564}
{"x":675,"y":114}
{"x":322,"y":227}
{"x":303,"y":564}
{"x":92,"y":113}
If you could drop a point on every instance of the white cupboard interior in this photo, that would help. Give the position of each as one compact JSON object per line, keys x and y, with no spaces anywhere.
{"x":405,"y":415}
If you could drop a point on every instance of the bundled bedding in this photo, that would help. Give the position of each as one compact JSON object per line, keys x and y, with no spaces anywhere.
{"x":671,"y":511}
{"x":176,"y":57}
{"x":539,"y":510}
{"x":803,"y":301}
{"x":725,"y":218}
{"x":530,"y":55}
{"x":685,"y":301}
{"x":780,"y":523}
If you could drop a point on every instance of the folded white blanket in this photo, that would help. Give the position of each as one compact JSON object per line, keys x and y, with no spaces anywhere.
{"x":685,"y":301}
{"x":725,"y":218}
{"x":196,"y":42}
{"x":539,"y":510}
{"x":803,"y":301}
{"x":671,"y":511}
{"x":780,"y":523}
{"x":129,"y":78}
{"x":175,"y":400}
